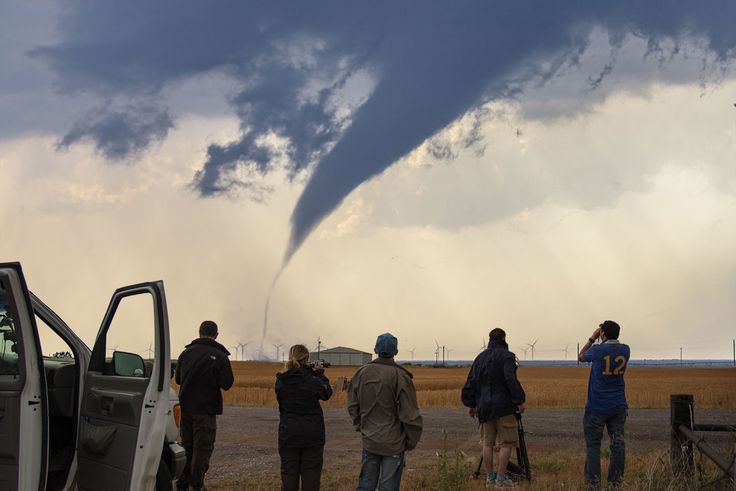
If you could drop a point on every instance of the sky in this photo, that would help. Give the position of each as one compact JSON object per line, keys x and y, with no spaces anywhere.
{"x":426,"y":169}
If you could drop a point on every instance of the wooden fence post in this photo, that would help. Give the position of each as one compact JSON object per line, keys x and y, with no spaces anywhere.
{"x":681,"y":449}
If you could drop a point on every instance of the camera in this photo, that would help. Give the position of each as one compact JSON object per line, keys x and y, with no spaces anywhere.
{"x":317,"y":364}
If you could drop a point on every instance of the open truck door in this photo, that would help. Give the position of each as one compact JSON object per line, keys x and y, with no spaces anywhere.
{"x":125,"y":404}
{"x":23,"y":398}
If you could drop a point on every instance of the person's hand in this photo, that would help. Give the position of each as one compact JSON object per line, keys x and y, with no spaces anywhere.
{"x":472,"y":412}
{"x":317,"y":365}
{"x":520,"y":409}
{"x":596,"y":334}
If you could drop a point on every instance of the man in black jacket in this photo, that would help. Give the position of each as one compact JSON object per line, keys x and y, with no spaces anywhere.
{"x":493,"y":394}
{"x":202,"y":370}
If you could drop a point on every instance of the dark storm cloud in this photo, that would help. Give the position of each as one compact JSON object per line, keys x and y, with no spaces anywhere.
{"x":432,"y":62}
{"x":121,"y":133}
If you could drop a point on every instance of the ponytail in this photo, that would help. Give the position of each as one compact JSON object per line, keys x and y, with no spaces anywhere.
{"x":297,"y":354}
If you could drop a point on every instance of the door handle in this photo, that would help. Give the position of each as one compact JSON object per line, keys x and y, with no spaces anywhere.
{"x":33,"y":403}
{"x":107,"y":404}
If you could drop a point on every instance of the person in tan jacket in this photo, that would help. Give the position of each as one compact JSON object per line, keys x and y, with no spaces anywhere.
{"x":382,"y":403}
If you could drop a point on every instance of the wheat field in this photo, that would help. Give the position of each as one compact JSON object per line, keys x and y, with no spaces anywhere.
{"x":546,"y":387}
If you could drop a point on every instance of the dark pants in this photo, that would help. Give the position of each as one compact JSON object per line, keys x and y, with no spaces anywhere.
{"x":198,"y":433}
{"x":593,"y":424}
{"x":383,"y":471}
{"x":304,"y":463}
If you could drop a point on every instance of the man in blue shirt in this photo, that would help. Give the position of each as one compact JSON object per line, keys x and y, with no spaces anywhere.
{"x":606,"y":406}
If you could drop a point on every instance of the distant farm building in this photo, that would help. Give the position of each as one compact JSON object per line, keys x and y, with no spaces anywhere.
{"x":342,"y":356}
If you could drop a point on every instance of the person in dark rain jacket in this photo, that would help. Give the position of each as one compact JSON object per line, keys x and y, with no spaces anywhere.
{"x":202,"y":371}
{"x":301,"y":422}
{"x":494,"y":395}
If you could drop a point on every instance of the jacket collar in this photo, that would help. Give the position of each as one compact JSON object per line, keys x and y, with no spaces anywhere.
{"x":209,"y":342}
{"x":296,"y":373}
{"x":390,"y":362}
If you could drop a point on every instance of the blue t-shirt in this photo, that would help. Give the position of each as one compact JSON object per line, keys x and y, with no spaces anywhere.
{"x":606,"y":388}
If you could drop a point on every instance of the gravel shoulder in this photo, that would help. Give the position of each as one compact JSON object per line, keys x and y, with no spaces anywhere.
{"x":247,"y":436}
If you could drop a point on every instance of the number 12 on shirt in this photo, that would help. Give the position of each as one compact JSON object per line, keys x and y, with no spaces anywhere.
{"x":619,"y":365}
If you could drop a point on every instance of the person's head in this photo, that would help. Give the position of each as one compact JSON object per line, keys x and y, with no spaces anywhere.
{"x":610,"y":329}
{"x":497,"y":334}
{"x":208,"y":329}
{"x":386,"y":345}
{"x":298,"y":356}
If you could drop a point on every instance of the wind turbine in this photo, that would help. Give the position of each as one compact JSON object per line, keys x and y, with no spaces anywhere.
{"x":524,"y":350}
{"x":149,"y":350}
{"x":567,"y":348}
{"x":278,"y":347}
{"x":437,"y":353}
{"x":235,"y":347}
{"x":531,"y":345}
{"x":242,"y":346}
{"x":448,"y":353}
{"x":412,"y":353}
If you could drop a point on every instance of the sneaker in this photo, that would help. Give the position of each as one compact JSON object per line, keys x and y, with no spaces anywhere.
{"x":505,"y":483}
{"x":490,"y":479}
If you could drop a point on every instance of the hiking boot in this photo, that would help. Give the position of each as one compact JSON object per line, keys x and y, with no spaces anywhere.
{"x":505,"y":483}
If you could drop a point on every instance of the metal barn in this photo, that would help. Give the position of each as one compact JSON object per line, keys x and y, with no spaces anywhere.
{"x":342,"y":356}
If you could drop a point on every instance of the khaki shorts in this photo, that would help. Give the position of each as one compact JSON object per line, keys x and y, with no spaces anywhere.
{"x":502,"y":431}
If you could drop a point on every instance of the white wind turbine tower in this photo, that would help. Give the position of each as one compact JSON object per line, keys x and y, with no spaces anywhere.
{"x":531,"y":346}
{"x":524,"y":350}
{"x":235,"y":347}
{"x":412,"y":353}
{"x":242,"y":346}
{"x":278,"y":347}
{"x":437,"y":353}
{"x":448,"y":353}
{"x":566,"y":350}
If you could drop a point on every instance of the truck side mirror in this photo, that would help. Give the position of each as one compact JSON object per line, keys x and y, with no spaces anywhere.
{"x":128,"y":364}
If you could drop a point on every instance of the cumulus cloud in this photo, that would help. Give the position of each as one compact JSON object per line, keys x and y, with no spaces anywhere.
{"x":430,"y":63}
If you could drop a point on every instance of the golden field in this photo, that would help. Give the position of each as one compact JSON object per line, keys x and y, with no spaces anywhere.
{"x":546,"y":387}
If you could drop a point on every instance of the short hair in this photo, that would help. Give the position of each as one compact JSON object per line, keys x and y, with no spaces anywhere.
{"x":496,"y":334}
{"x":208,"y":328}
{"x":611,"y":329}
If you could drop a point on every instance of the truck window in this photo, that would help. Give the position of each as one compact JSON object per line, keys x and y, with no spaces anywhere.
{"x":131,"y":333}
{"x":9,"y":346}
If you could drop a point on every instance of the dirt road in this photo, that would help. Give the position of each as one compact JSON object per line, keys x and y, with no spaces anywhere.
{"x":246,"y":437}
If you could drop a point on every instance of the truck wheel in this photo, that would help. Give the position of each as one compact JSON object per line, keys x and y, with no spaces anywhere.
{"x":163,"y":477}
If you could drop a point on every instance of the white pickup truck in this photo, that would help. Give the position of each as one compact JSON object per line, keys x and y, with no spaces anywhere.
{"x":84,"y":420}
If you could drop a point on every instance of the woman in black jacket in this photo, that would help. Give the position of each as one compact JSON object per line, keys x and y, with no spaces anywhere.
{"x":302,"y":426}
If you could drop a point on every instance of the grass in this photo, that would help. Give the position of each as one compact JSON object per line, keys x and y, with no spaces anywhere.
{"x":451,"y":470}
{"x":546,"y":387}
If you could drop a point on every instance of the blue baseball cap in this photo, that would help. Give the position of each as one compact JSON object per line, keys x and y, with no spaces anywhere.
{"x":386,"y":345}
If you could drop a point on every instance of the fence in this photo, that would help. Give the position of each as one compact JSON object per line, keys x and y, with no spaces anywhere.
{"x":685,"y":435}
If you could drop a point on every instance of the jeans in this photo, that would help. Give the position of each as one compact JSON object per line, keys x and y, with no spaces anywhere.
{"x":383,"y":471}
{"x":198,"y":433}
{"x":593,"y":424}
{"x":303,"y":464}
